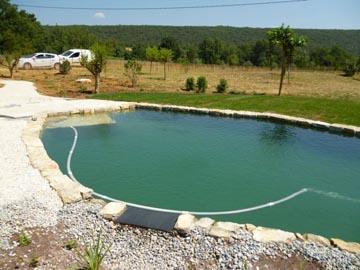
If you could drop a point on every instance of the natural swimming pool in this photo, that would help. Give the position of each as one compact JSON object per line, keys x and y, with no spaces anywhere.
{"x":203,"y":163}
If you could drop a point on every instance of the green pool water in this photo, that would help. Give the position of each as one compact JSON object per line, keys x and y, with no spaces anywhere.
{"x":202,"y":163}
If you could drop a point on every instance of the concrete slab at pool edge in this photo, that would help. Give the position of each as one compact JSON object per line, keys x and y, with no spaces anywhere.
{"x":19,"y":100}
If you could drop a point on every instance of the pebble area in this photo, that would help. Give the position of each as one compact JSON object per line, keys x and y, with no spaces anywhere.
{"x":26,"y":201}
{"x":137,"y":248}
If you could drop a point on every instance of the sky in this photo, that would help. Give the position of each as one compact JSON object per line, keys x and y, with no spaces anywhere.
{"x":319,"y":14}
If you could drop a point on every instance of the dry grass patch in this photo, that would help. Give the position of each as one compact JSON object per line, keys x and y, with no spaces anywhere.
{"x":241,"y":79}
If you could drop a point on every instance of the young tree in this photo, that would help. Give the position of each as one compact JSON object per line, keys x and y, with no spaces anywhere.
{"x":132,"y":71}
{"x":10,"y":61}
{"x":165,"y":56}
{"x":152,"y":54}
{"x":211,"y":50}
{"x":20,"y":33}
{"x":288,"y":41}
{"x":96,"y":63}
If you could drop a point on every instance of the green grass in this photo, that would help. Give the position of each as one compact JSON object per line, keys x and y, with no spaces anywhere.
{"x":324,"y":109}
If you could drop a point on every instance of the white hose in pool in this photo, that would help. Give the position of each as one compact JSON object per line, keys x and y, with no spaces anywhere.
{"x":217,"y":213}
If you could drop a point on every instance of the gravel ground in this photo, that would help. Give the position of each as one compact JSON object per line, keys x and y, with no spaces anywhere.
{"x":26,"y":199}
{"x":136,"y":248}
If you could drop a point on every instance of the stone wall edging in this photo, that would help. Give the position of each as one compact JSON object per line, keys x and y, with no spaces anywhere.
{"x":348,"y":130}
{"x":70,"y":191}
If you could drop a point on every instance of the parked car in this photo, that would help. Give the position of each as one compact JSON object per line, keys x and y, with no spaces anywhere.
{"x":74,"y":55}
{"x":39,"y":60}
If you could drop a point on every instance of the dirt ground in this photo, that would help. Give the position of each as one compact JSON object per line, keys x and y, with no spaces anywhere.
{"x":47,"y":249}
{"x":241,"y":79}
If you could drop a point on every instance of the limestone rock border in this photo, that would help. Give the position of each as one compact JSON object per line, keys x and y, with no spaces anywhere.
{"x":70,"y":191}
{"x":275,"y":117}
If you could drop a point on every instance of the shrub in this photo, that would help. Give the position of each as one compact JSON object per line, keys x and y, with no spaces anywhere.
{"x":65,"y":67}
{"x":201,"y":84}
{"x":350,"y":69}
{"x":132,"y":71}
{"x":190,"y":84}
{"x":222,"y":86}
{"x":24,"y":240}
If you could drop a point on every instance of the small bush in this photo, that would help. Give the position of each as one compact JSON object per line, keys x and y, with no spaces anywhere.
{"x":65,"y":67}
{"x":190,"y":84}
{"x":132,"y":71}
{"x":222,"y":86}
{"x":201,"y":84}
{"x":24,"y":240}
{"x":350,"y":69}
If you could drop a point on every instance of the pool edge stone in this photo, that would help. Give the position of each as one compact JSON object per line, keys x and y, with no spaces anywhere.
{"x":274,"y":117}
{"x":113,"y":210}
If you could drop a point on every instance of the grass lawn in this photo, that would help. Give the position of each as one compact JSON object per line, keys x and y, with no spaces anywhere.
{"x":318,"y":108}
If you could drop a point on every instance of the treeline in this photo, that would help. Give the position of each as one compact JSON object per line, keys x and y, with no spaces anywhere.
{"x":150,"y":35}
{"x":208,"y":51}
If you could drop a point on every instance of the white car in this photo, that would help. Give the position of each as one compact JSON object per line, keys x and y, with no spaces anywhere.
{"x":39,"y":60}
{"x":74,"y":55}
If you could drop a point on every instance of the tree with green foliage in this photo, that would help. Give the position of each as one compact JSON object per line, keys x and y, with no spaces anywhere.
{"x":132,"y":71}
{"x":152,"y":55}
{"x":173,"y":45}
{"x":288,"y":41}
{"x":165,"y":56}
{"x":20,"y":33}
{"x":96,"y":63}
{"x":244,"y":53}
{"x":258,"y":54}
{"x":210,"y":51}
{"x":350,"y":69}
{"x":191,"y":53}
{"x":59,"y":39}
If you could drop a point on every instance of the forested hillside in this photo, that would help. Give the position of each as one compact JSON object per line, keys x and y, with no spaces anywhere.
{"x":186,"y":35}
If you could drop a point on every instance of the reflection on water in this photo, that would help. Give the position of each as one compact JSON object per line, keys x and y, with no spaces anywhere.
{"x":277,"y":134}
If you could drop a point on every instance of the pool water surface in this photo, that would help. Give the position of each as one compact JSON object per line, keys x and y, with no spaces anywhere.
{"x":203,"y":163}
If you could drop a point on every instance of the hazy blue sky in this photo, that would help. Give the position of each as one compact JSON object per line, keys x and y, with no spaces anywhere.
{"x":339,"y":14}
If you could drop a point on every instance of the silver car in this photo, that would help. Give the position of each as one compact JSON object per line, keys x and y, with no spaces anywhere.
{"x":39,"y":60}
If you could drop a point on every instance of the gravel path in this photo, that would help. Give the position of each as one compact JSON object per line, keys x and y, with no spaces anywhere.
{"x":27,"y":201}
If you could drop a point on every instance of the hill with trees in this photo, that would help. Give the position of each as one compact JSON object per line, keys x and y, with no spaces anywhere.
{"x":149,"y":35}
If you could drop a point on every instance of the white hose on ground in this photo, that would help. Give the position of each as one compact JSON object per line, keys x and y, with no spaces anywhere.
{"x":217,"y":213}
